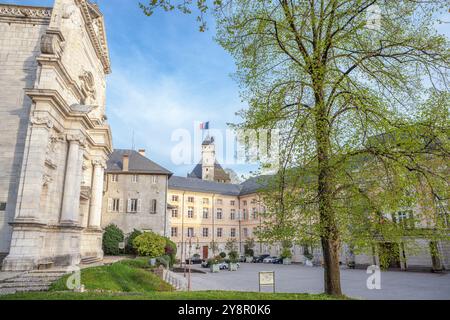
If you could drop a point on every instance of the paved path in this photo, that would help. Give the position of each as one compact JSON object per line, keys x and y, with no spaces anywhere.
{"x":298,"y":278}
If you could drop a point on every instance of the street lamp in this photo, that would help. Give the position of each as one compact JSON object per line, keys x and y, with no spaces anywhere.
{"x":189,"y":260}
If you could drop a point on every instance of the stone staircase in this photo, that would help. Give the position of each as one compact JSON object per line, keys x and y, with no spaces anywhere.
{"x":90,"y":260}
{"x":39,"y":280}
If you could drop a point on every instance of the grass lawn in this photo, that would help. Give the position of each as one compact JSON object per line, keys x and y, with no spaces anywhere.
{"x":133,"y":280}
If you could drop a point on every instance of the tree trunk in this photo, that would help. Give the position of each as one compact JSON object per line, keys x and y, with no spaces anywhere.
{"x":329,"y":228}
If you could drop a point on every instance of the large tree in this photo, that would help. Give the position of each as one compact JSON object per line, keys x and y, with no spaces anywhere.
{"x":333,"y":75}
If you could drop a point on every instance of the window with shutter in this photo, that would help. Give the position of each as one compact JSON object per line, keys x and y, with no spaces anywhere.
{"x":138,"y":206}
{"x":129,"y":205}
{"x":110,"y":204}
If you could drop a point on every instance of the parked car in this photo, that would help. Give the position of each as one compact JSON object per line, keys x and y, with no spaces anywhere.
{"x":277,"y":260}
{"x":260,"y":258}
{"x":242,"y":259}
{"x":194,"y":260}
{"x":269,"y":259}
{"x":224,"y":265}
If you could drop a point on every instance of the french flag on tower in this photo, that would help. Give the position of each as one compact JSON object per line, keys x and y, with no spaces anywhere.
{"x":204,"y":126}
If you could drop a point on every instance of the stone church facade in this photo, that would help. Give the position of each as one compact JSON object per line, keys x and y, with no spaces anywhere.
{"x":54,"y":138}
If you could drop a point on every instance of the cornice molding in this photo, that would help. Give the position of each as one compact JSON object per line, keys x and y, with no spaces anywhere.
{"x":98,"y":40}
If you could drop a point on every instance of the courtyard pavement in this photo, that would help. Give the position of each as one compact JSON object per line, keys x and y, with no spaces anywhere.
{"x":302,"y":279}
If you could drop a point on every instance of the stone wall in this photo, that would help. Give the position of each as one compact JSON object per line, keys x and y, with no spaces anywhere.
{"x":19,"y":46}
{"x":145,"y":190}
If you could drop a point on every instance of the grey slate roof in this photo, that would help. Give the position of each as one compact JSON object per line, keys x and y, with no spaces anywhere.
{"x":254,"y":184}
{"x":198,"y":185}
{"x":250,"y":186}
{"x":219,"y":173}
{"x":137,"y":163}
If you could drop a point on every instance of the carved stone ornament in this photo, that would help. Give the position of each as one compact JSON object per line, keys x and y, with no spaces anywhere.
{"x":25,"y":12}
{"x":101,"y":163}
{"x":50,"y":44}
{"x":88,"y":85}
{"x":41,"y":121}
{"x":76,"y":138}
{"x":46,"y":179}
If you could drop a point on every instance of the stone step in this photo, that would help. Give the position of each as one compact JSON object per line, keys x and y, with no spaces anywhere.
{"x":25,"y":284}
{"x":31,"y":289}
{"x":31,"y":279}
{"x":90,"y":260}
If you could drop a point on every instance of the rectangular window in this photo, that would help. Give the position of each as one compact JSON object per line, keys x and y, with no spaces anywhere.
{"x":191,"y":199}
{"x":190,"y":212}
{"x":134,"y":178}
{"x":205,"y":213}
{"x":205,"y":201}
{"x":219,"y":214}
{"x":114,"y":178}
{"x":205,"y":232}
{"x":233,"y":214}
{"x":154,"y":179}
{"x":232,"y":203}
{"x":174,"y":232}
{"x":244,"y":214}
{"x":175,"y":198}
{"x":245,"y":230}
{"x":133,"y":205}
{"x":253,"y":201}
{"x":244,"y":203}
{"x":153,"y":206}
{"x":219,"y":232}
{"x":255,"y":214}
{"x":2,"y":206}
{"x":233,"y":232}
{"x":115,"y":205}
{"x":175,"y":213}
{"x":219,"y":201}
{"x":190,"y":232}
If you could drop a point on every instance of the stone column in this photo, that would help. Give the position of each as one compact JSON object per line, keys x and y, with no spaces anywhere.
{"x":95,"y":212}
{"x":31,"y":181}
{"x":71,"y":197}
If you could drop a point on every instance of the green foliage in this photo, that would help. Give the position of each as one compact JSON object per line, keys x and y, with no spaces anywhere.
{"x":129,"y":247}
{"x":222,"y":255}
{"x":111,"y":238}
{"x":149,"y":244}
{"x":123,"y":276}
{"x":161,"y":295}
{"x":361,"y":113}
{"x":170,"y":250}
{"x":248,"y":247}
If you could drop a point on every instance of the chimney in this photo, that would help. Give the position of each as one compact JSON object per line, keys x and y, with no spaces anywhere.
{"x":142,"y":152}
{"x":125,"y":162}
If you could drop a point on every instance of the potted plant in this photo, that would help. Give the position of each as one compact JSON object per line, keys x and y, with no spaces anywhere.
{"x":232,"y":254}
{"x":214,"y":264}
{"x":286,"y":255}
{"x":248,"y":250}
{"x":308,"y":259}
{"x":232,"y":265}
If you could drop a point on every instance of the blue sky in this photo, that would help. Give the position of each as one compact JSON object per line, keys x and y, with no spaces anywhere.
{"x":165,"y":75}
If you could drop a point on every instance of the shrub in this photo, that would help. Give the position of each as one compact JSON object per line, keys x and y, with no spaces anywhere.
{"x":129,"y":248}
{"x":171,"y":251}
{"x":149,"y":244}
{"x":286,"y":253}
{"x":233,"y":256}
{"x":222,"y":255}
{"x":111,"y":238}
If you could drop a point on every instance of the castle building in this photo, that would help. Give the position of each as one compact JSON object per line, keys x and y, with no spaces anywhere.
{"x":54,"y":138}
{"x":135,"y":193}
{"x":206,"y":210}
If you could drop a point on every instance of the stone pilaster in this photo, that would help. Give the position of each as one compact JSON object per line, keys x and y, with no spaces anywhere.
{"x":95,"y":211}
{"x":72,"y":183}
{"x":33,"y":170}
